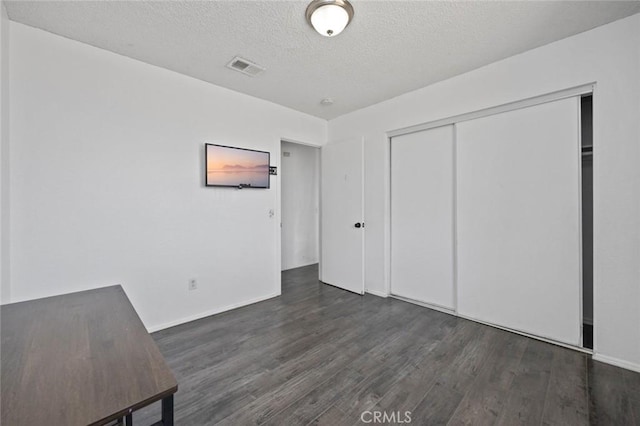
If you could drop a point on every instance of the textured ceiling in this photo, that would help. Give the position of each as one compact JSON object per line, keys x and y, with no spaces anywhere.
{"x":391,"y":47}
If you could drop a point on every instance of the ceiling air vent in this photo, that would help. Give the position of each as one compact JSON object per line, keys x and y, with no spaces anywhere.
{"x":244,"y":66}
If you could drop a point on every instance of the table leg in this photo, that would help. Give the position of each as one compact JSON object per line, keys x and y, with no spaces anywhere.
{"x":167,"y":411}
{"x":128,"y":420}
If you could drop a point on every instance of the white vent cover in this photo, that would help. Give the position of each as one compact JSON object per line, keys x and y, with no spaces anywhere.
{"x":246,"y":67}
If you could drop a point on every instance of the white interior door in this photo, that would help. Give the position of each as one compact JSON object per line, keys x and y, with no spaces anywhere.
{"x":342,"y":218}
{"x":422,"y":216}
{"x":518,"y":220}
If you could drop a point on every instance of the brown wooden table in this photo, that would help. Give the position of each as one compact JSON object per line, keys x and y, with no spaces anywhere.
{"x":80,"y":359}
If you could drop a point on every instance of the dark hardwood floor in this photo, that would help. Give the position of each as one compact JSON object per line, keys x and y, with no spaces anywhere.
{"x":320,"y":355}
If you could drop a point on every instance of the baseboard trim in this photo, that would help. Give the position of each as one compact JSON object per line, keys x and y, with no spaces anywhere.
{"x":511,"y":330}
{"x":426,"y":305}
{"x":377,"y":293}
{"x":617,"y":362}
{"x":205,"y":314}
{"x":531,"y":336}
{"x":300,"y":266}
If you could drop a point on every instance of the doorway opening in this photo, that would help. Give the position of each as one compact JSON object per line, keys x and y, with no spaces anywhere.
{"x":300,"y":205}
{"x":586,"y":116}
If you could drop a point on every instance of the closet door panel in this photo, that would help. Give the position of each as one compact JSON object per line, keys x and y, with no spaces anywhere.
{"x":422,"y":216}
{"x":518,"y":220}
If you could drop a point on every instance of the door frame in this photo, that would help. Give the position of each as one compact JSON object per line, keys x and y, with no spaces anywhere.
{"x":278,"y":208}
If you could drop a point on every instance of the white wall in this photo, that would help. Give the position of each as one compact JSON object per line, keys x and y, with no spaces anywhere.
{"x":608,"y":55}
{"x":107,"y":181}
{"x":5,"y":288}
{"x":300,"y":180}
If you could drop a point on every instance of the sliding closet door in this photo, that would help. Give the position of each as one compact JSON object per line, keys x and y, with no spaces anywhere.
{"x":518,"y":220}
{"x":422,"y":216}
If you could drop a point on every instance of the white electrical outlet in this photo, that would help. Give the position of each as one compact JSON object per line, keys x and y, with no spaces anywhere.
{"x":193,"y":284}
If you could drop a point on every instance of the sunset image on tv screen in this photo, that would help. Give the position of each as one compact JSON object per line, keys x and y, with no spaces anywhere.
{"x":228,"y":166}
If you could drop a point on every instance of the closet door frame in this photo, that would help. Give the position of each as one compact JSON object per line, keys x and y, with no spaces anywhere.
{"x":576,"y":91}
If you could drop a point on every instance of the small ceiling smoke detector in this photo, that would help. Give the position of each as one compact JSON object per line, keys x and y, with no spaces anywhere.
{"x":329,"y":17}
{"x":326,"y":101}
{"x":245,"y":66}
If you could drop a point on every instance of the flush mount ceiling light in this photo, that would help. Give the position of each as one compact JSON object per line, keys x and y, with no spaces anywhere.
{"x":329,"y":17}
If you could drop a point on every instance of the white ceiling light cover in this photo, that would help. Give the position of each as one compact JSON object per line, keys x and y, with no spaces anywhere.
{"x":330,"y":20}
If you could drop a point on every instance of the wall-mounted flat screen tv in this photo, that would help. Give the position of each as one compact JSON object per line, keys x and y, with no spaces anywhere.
{"x":236,"y":167}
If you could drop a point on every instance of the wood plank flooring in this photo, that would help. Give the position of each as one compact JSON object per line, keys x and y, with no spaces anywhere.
{"x":320,"y":355}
